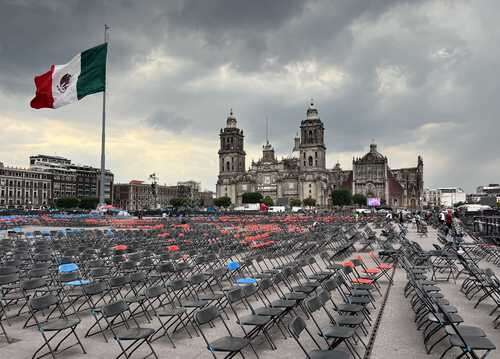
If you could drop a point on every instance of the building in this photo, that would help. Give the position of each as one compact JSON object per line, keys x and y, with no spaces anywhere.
{"x":72,"y":180}
{"x":488,"y":195}
{"x":24,"y":187}
{"x":305,"y":175}
{"x":444,"y":196}
{"x":137,"y":195}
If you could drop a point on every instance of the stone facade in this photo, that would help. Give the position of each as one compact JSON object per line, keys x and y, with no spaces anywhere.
{"x":24,"y":188}
{"x":306,"y":175}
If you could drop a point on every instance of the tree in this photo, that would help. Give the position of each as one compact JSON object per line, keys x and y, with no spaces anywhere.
{"x":341,"y":197}
{"x":68,"y":202}
{"x":295,"y":202}
{"x":88,"y":203}
{"x":359,"y":199}
{"x":222,"y":201}
{"x":309,"y":202}
{"x":268,"y":201}
{"x":251,"y":197}
{"x":177,"y":202}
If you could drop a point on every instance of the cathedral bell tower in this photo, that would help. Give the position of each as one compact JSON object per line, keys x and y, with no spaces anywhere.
{"x":231,"y":152}
{"x":312,"y":145}
{"x":231,"y":159}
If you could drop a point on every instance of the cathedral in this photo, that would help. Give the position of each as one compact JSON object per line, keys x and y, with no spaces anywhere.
{"x":306,"y":176}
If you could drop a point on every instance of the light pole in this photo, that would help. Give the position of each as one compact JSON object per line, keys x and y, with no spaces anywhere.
{"x":154,"y":188}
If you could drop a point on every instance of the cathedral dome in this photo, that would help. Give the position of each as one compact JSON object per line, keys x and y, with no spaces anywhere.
{"x":373,"y":155}
{"x":231,"y":120}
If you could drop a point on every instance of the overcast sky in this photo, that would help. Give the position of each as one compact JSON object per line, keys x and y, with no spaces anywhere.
{"x":418,"y":77}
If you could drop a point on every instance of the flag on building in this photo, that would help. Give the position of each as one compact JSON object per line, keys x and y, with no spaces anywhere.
{"x":85,"y":74}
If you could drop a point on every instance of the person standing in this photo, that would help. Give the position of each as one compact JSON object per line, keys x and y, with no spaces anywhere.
{"x":449,"y":221}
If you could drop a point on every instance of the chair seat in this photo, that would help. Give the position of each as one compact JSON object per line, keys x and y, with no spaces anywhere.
{"x":360,"y":293}
{"x":329,"y":354}
{"x":194,"y":303}
{"x":304,"y":289}
{"x":358,"y":300}
{"x":283,"y":303}
{"x":133,"y":333}
{"x":170,"y":312}
{"x":339,"y":332}
{"x":60,"y":324}
{"x":135,"y":299}
{"x":466,"y":330}
{"x":228,"y":344}
{"x":479,"y":343}
{"x":363,"y":280}
{"x":352,"y":308}
{"x":372,"y":270}
{"x":269,"y":311}
{"x":454,"y":318}
{"x":349,"y":320}
{"x":254,"y":320}
{"x":211,"y":296}
{"x":385,"y":266}
{"x":12,"y":296}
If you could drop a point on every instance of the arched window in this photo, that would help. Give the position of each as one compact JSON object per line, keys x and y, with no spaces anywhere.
{"x":228,"y":166}
{"x":310,"y":161}
{"x":310,"y":136}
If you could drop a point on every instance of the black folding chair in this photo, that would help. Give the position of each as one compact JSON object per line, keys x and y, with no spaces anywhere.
{"x":137,"y":336}
{"x":56,"y":326}
{"x":297,"y":326}
{"x":229,"y":344}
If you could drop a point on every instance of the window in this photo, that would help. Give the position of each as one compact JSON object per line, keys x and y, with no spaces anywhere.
{"x":228,"y":166}
{"x":310,"y":161}
{"x":315,"y":154}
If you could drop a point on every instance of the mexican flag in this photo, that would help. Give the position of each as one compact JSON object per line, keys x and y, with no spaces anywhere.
{"x":85,"y":74}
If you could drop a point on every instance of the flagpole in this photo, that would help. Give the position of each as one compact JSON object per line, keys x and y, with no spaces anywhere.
{"x":102,"y":200}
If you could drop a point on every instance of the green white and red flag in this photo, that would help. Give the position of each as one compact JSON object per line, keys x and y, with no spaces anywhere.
{"x":85,"y":74}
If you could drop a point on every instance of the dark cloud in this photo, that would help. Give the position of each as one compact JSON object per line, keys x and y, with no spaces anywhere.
{"x":414,"y":76}
{"x":168,"y":121}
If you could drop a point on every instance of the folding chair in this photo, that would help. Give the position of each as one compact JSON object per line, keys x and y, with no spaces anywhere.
{"x":62,"y":324}
{"x":229,"y":344}
{"x":137,"y":336}
{"x":297,"y":326}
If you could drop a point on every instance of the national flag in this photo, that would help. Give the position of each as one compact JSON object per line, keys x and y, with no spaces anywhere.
{"x":85,"y":74}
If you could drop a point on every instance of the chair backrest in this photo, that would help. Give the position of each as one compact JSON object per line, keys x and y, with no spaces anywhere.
{"x":154,"y":292}
{"x":313,"y":304}
{"x":30,"y":284}
{"x":235,"y":295}
{"x":197,"y":278}
{"x":296,"y":326}
{"x":114,"y":309}
{"x":177,"y":284}
{"x":43,"y":302}
{"x":138,"y":277}
{"x":9,"y":278}
{"x":206,"y":315}
{"x":330,"y":284}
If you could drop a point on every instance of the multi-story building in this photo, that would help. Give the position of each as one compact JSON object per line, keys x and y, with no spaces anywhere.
{"x":72,"y":180}
{"x":444,"y":196}
{"x":24,"y":187}
{"x":306,"y":175}
{"x":137,"y":195}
